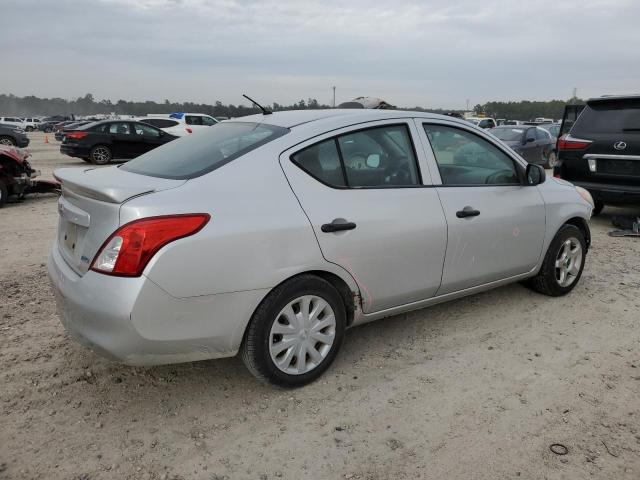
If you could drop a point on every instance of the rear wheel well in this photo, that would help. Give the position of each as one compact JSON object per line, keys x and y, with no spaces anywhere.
{"x":582,"y":225}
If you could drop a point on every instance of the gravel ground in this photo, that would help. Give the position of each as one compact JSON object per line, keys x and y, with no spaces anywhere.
{"x":476,"y":388}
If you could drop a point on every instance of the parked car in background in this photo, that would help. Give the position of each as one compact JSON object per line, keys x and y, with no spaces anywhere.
{"x":513,"y":122}
{"x":13,"y":121}
{"x":180,"y":124}
{"x":552,"y":128}
{"x":31,"y":123}
{"x":534,"y":144}
{"x":482,"y":122}
{"x":59,"y":134}
{"x":12,"y":136}
{"x":601,"y":152}
{"x":46,"y":126}
{"x":101,"y":142}
{"x":271,"y":234}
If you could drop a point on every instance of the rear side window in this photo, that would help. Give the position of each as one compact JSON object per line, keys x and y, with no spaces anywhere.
{"x":375,"y":157}
{"x":195,"y":155}
{"x":609,"y":117}
{"x":193,"y":120}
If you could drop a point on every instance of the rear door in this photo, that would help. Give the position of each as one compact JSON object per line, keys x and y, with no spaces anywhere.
{"x":496,"y":225}
{"x":368,"y":195}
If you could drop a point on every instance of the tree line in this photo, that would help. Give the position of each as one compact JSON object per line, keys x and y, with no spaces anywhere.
{"x":12,"y":105}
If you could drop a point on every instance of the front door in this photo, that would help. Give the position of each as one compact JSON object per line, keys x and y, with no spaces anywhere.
{"x":371,"y":211}
{"x":496,"y":225}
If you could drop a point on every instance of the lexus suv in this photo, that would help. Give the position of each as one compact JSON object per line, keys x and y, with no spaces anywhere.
{"x":601,"y":152}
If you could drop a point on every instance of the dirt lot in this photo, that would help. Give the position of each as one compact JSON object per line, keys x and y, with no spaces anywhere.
{"x":477,"y":388}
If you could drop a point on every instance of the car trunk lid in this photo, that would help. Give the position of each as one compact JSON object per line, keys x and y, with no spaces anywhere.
{"x":89,"y":208}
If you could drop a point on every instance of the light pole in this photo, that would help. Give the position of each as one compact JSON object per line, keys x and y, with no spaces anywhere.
{"x":334,"y":96}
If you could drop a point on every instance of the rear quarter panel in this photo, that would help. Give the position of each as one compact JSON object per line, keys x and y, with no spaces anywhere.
{"x":258,"y":235}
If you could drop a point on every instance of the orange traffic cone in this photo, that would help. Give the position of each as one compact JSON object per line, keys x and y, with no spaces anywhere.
{"x":46,"y":139}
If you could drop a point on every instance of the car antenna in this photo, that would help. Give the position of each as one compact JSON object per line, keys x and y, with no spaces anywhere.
{"x":264,"y":110}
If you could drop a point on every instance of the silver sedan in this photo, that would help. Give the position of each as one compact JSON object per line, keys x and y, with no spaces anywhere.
{"x":270,"y":235}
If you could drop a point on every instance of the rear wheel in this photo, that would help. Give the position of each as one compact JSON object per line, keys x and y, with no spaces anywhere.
{"x":552,"y":159}
{"x":562,"y":266}
{"x":7,"y":141}
{"x":100,"y":155}
{"x":295,"y":333}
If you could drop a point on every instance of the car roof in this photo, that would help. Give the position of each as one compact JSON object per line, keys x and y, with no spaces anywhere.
{"x":607,"y":98}
{"x":294,"y":118}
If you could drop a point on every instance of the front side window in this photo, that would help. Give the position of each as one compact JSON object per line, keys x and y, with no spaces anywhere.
{"x":464,"y":158}
{"x":208,"y":121}
{"x":375,"y":157}
{"x":146,"y":130}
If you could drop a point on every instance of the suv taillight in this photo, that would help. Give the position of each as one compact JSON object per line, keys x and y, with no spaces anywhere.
{"x":567,"y":142}
{"x":128,"y":250}
{"x":76,"y":135}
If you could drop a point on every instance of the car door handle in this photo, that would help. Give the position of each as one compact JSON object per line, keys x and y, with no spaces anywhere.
{"x":467,"y":212}
{"x":337,"y":226}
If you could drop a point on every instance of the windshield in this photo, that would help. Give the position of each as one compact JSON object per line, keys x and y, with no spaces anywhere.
{"x":197,"y":154}
{"x":507,"y":134}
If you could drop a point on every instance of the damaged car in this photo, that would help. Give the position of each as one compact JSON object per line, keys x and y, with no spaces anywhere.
{"x":18,"y":178}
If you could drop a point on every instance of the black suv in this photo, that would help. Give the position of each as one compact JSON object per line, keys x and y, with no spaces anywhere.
{"x":601,"y":152}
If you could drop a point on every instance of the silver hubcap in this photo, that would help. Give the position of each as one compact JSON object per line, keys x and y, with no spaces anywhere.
{"x":302,"y":335}
{"x":101,"y":154}
{"x":5,"y":141}
{"x":568,"y":262}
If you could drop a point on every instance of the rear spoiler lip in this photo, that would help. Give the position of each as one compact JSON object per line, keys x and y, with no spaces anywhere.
{"x":105,"y":193}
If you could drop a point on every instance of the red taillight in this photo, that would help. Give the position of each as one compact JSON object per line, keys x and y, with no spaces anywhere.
{"x":76,"y":135}
{"x":189,"y":130}
{"x":127,"y":252}
{"x":567,"y":142}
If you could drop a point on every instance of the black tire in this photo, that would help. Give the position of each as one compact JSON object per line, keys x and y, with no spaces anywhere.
{"x":6,"y":140}
{"x":4,"y":193}
{"x":48,"y":130}
{"x":551,"y":160}
{"x":29,"y":129}
{"x":100,"y":155}
{"x":546,"y":280}
{"x":255,"y":346}
{"x":597,"y":209}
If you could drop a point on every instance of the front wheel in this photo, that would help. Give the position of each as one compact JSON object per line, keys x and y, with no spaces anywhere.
{"x":295,"y":333}
{"x":100,"y":155}
{"x":563,"y":264}
{"x":7,"y":141}
{"x":29,"y":129}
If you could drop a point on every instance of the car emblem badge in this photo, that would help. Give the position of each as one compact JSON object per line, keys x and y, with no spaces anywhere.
{"x":620,"y":145}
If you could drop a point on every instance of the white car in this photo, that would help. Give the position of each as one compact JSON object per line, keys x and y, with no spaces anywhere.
{"x":31,"y":123}
{"x":180,"y":124}
{"x":13,"y":122}
{"x":271,"y":234}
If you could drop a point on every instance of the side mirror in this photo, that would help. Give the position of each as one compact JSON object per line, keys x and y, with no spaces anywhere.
{"x":535,"y":174}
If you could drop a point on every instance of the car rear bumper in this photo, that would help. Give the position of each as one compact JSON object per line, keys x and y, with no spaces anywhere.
{"x":74,"y":150}
{"x":611,"y":193}
{"x":134,"y":321}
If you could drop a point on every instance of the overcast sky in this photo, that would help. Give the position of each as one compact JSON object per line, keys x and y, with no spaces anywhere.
{"x":431,"y":53}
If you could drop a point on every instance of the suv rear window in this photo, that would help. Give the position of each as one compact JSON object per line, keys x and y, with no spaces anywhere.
{"x":195,"y":155}
{"x":615,"y":116}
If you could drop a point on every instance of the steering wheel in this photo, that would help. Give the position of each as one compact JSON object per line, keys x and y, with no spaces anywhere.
{"x":501,"y":176}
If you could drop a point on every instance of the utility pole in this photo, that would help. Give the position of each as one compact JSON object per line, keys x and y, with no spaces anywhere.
{"x":334,"y":96}
{"x":467,"y":104}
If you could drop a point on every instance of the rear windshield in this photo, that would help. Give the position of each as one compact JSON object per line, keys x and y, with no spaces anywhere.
{"x":609,"y":117}
{"x":160,"y":122}
{"x":197,"y":154}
